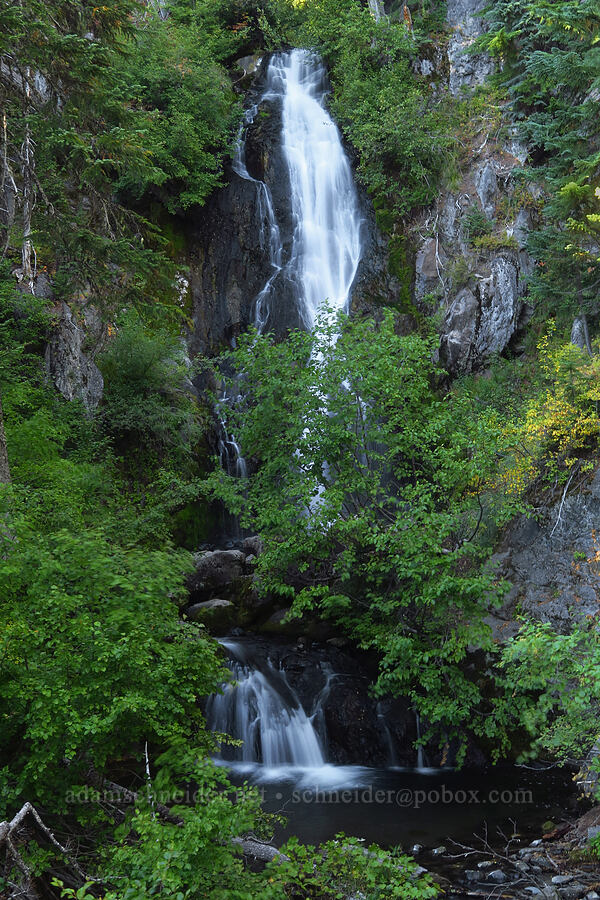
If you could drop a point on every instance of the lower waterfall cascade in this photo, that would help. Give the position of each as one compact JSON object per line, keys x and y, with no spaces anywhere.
{"x":285,"y":751}
{"x":263,"y":711}
{"x":280,"y":739}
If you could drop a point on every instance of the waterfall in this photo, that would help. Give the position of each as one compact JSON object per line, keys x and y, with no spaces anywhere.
{"x":281,"y":740}
{"x":261,"y":709}
{"x":326,"y":245}
{"x":326,"y":242}
{"x":420,"y":752}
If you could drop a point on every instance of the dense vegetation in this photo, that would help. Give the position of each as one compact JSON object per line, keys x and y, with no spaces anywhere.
{"x":117,"y":120}
{"x":384,"y":545}
{"x":550,"y":69}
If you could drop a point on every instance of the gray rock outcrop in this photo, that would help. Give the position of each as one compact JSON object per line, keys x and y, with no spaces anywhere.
{"x":553,"y":566}
{"x":466,"y":69}
{"x":471,"y":260}
{"x":481,"y":322}
{"x":69,"y":364}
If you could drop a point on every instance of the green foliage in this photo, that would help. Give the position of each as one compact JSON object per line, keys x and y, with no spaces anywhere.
{"x":495,"y":242}
{"x":476,"y":224}
{"x":366,"y":491}
{"x":94,"y":657}
{"x":551,"y":70}
{"x":459,"y":273}
{"x":197,"y":858}
{"x":345,"y":867}
{"x":69,"y":137}
{"x":148,"y":407}
{"x":186,"y":106}
{"x":113,"y":107}
{"x":551,"y":686}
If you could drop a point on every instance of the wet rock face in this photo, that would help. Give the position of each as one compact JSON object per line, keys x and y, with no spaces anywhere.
{"x":230,"y":259}
{"x":553,"y":566}
{"x":374,"y":284}
{"x":69,"y":363}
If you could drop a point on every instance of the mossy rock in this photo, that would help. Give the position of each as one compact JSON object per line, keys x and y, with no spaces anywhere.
{"x":219,"y":616}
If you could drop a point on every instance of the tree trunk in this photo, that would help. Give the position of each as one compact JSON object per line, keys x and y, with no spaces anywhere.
{"x":8,"y":190}
{"x":4,"y":467}
{"x":27,"y":165}
{"x":377,"y":9}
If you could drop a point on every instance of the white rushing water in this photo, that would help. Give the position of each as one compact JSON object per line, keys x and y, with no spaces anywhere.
{"x":280,"y":740}
{"x":261,"y":710}
{"x":326,"y":242}
{"x":326,"y":246}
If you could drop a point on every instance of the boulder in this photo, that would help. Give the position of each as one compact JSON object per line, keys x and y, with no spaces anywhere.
{"x":218,"y":615}
{"x":497,"y":876}
{"x":481,"y":321}
{"x":277,"y":624}
{"x":216,"y":569}
{"x":252,"y":546}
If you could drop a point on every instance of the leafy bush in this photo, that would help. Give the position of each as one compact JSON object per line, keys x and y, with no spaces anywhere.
{"x":186,"y":106}
{"x":550,"y":687}
{"x":108,"y":662}
{"x":557,"y":432}
{"x":346,"y":867}
{"x":148,"y":407}
{"x":385,"y":111}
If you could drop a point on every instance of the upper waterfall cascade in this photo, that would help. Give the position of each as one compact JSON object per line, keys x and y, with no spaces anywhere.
{"x":326,"y":245}
{"x":326,"y":242}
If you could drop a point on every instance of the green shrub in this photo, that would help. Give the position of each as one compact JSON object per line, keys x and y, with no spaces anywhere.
{"x":147,"y":410}
{"x":476,"y":224}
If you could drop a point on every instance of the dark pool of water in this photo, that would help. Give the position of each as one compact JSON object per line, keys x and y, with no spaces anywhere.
{"x":400,"y":807}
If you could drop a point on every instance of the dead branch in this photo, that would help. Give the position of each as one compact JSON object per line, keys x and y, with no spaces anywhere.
{"x":10,"y":829}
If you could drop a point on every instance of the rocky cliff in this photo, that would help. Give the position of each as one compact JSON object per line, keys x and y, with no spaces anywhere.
{"x":471,"y":262}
